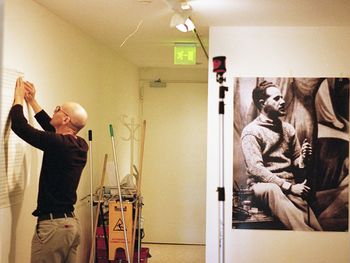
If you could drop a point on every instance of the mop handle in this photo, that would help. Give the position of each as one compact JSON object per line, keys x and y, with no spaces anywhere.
{"x":119,"y":192}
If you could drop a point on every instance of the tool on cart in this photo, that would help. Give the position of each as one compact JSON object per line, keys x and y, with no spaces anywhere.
{"x":138,"y":208}
{"x":116,"y":171}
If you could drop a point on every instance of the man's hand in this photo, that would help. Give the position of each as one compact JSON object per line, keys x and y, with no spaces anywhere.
{"x":301,"y":190}
{"x":19,"y":92}
{"x":305,"y":153}
{"x":30,"y":92}
{"x":306,"y":150}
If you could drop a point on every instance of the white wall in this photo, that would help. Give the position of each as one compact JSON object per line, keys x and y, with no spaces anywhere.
{"x":64,"y":64}
{"x":274,"y":52}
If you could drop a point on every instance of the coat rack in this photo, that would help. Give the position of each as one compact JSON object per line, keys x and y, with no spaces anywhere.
{"x":132,"y":127}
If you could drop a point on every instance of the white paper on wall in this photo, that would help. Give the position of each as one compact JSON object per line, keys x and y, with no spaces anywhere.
{"x":13,"y":164}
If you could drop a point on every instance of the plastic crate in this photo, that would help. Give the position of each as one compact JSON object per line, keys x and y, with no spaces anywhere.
{"x":120,"y":257}
{"x":101,"y":251}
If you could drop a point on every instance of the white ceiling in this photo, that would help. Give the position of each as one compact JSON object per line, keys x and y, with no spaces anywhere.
{"x":112,"y":21}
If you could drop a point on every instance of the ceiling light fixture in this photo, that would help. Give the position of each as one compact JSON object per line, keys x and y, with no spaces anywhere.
{"x":182,"y":22}
{"x":187,"y":26}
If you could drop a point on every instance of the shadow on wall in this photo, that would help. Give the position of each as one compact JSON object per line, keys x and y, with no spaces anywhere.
{"x":16,"y":173}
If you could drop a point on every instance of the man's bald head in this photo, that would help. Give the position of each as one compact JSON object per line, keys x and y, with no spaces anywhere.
{"x":78,"y":115}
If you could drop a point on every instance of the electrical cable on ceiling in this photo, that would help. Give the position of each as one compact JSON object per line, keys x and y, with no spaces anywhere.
{"x":133,"y":33}
{"x":201,"y":43}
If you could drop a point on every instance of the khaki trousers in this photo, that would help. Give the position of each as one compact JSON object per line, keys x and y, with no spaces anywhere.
{"x":56,"y":241}
{"x":291,"y":210}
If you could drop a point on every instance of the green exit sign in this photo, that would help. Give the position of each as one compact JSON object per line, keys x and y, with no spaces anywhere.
{"x":185,"y":54}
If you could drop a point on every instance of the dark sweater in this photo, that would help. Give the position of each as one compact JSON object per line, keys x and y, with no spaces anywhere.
{"x":63,"y":161}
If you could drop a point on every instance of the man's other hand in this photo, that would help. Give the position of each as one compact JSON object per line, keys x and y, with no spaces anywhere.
{"x":306,"y":150}
{"x":30,"y":91}
{"x":301,"y":189}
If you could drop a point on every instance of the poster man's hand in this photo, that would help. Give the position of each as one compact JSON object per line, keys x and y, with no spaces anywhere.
{"x":300,"y":189}
{"x":306,"y":150}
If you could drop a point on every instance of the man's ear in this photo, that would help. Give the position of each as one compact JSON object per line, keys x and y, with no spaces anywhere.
{"x":66,"y":119}
{"x":261,"y":103}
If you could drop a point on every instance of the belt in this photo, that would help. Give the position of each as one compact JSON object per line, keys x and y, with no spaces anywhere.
{"x":55,"y":216}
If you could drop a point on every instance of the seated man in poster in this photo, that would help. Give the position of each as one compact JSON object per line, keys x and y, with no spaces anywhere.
{"x":272,"y":153}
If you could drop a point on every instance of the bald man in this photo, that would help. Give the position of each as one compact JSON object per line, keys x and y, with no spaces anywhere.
{"x":57,"y":233}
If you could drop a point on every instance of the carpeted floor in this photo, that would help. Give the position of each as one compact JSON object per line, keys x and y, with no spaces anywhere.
{"x":169,"y":253}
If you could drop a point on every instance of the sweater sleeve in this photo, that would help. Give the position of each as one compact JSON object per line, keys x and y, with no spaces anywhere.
{"x":254,"y":161}
{"x":44,"y":120}
{"x":40,"y":139}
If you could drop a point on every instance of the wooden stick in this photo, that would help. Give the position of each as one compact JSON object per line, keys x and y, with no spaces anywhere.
{"x":138,"y":191}
{"x":92,"y":250}
{"x":143,"y":134}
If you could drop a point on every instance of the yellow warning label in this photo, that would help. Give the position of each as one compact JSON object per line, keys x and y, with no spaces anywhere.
{"x":116,"y":233}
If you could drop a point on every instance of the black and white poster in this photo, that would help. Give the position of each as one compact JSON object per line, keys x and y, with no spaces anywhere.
{"x":291,"y":154}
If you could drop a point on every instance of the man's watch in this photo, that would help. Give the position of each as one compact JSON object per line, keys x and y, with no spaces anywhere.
{"x":286,"y":187}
